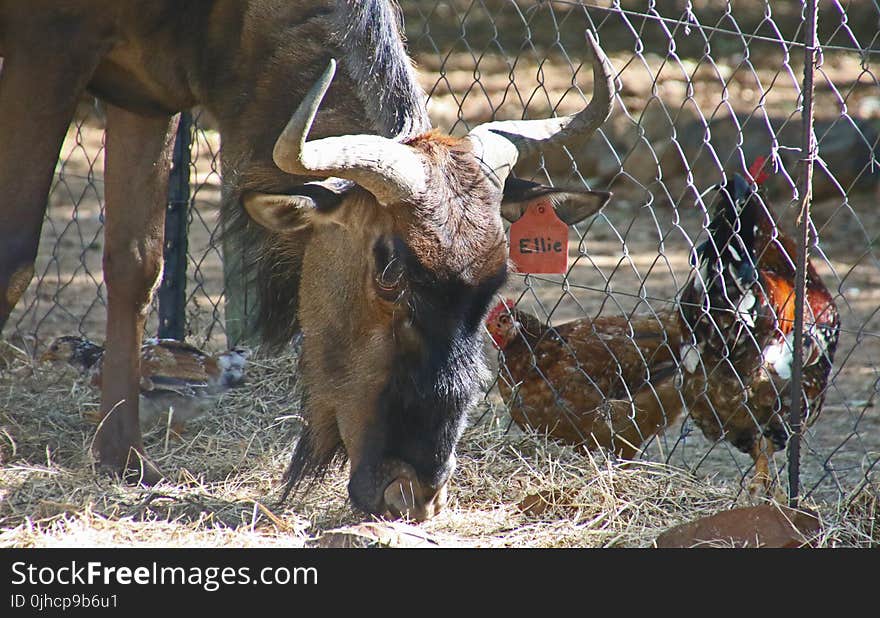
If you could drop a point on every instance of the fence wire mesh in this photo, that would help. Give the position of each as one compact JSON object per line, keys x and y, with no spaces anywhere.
{"x":704,"y":87}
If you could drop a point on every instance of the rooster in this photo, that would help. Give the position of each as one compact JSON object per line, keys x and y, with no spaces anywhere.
{"x":737,"y":319}
{"x":174,"y":374}
{"x":608,"y":382}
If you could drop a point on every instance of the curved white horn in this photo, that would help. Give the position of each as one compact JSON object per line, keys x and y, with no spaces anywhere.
{"x":391,"y":171}
{"x":501,"y":143}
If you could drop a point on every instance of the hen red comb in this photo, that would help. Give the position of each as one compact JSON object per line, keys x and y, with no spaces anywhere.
{"x":757,"y":172}
{"x":502,"y":307}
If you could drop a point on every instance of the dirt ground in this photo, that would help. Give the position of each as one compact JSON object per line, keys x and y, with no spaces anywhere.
{"x":632,"y":257}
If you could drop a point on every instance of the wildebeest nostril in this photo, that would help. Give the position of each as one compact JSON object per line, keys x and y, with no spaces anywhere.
{"x":394,"y":490}
{"x":400,"y":498}
{"x":407,"y":498}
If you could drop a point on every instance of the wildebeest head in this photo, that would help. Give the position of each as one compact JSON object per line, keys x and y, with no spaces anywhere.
{"x":396,"y":278}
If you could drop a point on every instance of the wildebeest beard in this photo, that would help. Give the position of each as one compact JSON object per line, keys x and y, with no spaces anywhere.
{"x":305,"y":463}
{"x":421,"y":410}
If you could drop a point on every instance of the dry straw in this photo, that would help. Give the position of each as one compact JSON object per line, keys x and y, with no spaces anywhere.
{"x":510,"y":489}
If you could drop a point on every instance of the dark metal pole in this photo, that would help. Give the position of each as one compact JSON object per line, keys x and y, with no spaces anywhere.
{"x":808,"y":152}
{"x":172,"y":292}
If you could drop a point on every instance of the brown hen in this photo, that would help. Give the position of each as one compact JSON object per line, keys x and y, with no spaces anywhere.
{"x":608,"y":382}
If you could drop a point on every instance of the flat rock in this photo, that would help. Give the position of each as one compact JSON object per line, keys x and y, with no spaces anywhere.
{"x":764,"y":525}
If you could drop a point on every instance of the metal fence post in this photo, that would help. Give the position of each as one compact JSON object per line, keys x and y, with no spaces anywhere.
{"x":172,"y":292}
{"x":808,"y":154}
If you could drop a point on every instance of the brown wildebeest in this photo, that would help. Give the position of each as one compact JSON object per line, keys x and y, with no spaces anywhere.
{"x":381,"y":239}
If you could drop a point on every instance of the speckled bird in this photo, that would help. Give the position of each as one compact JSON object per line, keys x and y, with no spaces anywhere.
{"x":174,"y":375}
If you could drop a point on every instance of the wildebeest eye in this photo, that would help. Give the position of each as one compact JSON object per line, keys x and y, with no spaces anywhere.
{"x":389,"y":279}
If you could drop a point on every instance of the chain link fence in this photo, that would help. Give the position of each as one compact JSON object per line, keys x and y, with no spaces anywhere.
{"x":704,"y":88}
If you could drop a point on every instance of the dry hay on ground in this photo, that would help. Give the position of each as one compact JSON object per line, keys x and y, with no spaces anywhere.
{"x":226,"y":468}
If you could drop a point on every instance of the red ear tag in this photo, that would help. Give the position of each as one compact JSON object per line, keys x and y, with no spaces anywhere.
{"x":539,"y":240}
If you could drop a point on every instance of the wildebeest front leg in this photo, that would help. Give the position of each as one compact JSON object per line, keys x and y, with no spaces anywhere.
{"x":39,"y":89}
{"x":138,"y":160}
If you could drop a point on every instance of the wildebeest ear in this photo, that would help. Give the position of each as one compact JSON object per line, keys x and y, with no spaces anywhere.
{"x":289,"y":213}
{"x":279,"y":213}
{"x":571,"y":205}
